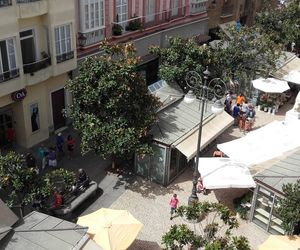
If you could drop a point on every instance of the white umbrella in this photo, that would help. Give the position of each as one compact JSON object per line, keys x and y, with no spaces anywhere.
{"x":220,"y":173}
{"x":292,"y":76}
{"x":270,"y":85}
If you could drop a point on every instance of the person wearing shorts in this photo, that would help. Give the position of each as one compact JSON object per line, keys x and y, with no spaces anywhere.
{"x":173,"y":203}
{"x":52,"y":161}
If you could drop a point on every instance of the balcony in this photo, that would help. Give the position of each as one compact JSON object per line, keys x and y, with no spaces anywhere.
{"x":64,"y":57}
{"x":133,"y":24}
{"x":31,"y":8}
{"x":8,"y":75}
{"x":86,"y":39}
{"x":5,"y":3}
{"x":198,"y":6}
{"x":227,"y":11}
{"x":30,"y":68}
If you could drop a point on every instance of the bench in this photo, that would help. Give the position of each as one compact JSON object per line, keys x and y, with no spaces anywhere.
{"x":73,"y":201}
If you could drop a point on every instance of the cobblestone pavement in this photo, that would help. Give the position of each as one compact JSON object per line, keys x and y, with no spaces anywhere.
{"x":148,"y":202}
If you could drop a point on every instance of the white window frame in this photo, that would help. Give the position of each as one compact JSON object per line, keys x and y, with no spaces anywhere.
{"x":150,"y":10}
{"x":63,"y":42}
{"x":12,"y":39}
{"x":123,"y":16}
{"x":174,"y":7}
{"x":88,"y":16}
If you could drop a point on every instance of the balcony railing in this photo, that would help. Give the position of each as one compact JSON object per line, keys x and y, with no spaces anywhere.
{"x":64,"y":57}
{"x":8,"y":75}
{"x":198,"y":6}
{"x":4,"y":3}
{"x":27,"y":1}
{"x":227,"y":11}
{"x":92,"y":37}
{"x":36,"y":66}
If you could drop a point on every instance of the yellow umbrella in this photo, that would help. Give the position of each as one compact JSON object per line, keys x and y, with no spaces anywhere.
{"x":111,"y":229}
{"x":280,"y":242}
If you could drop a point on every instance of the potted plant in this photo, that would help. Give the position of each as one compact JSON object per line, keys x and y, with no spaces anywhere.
{"x":117,"y":29}
{"x":134,"y":24}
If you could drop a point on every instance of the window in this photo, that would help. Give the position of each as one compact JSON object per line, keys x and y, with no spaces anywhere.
{"x":63,"y":43}
{"x":93,"y":16}
{"x":174,"y":7}
{"x":8,"y":63}
{"x":150,"y":9}
{"x":121,"y":9}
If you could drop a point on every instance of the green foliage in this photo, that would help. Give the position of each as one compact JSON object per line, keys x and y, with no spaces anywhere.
{"x":23,"y":184}
{"x":242,"y":210}
{"x":16,"y":178}
{"x":242,"y":56}
{"x":58,"y":179}
{"x":135,"y":24}
{"x":288,"y":207}
{"x":282,"y":23}
{"x":182,"y":56}
{"x":217,"y":216}
{"x":117,"y":29}
{"x":112,"y":107}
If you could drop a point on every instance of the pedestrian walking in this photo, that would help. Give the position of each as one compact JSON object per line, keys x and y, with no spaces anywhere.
{"x":70,"y":145}
{"x":10,"y":136}
{"x":42,"y":156}
{"x":236,"y":114}
{"x":60,"y":141}
{"x":240,"y":99}
{"x":228,"y":102}
{"x":52,"y":161}
{"x":173,"y":203}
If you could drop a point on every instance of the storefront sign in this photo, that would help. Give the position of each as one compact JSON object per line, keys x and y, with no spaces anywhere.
{"x":19,"y":95}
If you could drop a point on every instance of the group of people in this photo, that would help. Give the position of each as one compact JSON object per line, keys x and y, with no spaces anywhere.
{"x":242,"y":112}
{"x":48,"y":156}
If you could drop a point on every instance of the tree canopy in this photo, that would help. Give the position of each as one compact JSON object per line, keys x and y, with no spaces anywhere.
{"x":213,"y":225}
{"x":245,"y":53}
{"x":282,"y":23}
{"x":22,"y":184}
{"x":288,"y":208}
{"x":112,"y":108}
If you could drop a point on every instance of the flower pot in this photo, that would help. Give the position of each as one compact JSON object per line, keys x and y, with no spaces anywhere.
{"x":266,"y":109}
{"x":269,"y":110}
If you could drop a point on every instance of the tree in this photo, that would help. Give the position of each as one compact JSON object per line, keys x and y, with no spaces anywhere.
{"x":112,"y":108}
{"x":244,"y":54}
{"x":282,"y":23}
{"x":16,"y":179}
{"x":288,"y":208}
{"x":215,"y":224}
{"x":183,"y":55}
{"x":22,"y":184}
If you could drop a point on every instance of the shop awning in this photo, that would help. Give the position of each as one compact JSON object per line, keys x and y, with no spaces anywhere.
{"x":220,"y":173}
{"x":260,"y":145}
{"x":290,"y":71}
{"x":211,"y":130}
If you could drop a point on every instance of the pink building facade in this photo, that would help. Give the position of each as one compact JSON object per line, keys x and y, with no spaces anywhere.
{"x":145,"y":22}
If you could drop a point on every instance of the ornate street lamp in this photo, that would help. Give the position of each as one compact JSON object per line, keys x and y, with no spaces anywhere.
{"x":213,"y":91}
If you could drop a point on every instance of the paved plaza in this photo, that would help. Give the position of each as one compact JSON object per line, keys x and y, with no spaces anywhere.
{"x":149,"y":202}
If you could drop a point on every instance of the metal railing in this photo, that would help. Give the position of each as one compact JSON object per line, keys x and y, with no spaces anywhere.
{"x":4,"y":3}
{"x":227,"y":10}
{"x":36,"y":66}
{"x":8,"y":75}
{"x":64,"y":57}
{"x":198,"y":6}
{"x":92,"y":37}
{"x":27,"y":1}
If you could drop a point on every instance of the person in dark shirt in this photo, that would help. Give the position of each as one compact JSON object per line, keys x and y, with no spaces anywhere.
{"x":83,"y":180}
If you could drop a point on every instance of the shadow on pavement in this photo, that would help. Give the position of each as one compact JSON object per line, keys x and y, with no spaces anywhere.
{"x":144,"y":245}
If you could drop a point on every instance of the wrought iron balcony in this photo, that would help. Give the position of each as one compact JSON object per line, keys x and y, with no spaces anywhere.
{"x":198,"y":6}
{"x":27,"y":1}
{"x":8,"y":75}
{"x":64,"y":57}
{"x":36,"y":66}
{"x":4,"y":3}
{"x":90,"y":38}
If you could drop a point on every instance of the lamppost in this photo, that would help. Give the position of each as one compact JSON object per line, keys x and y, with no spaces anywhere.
{"x":213,"y":90}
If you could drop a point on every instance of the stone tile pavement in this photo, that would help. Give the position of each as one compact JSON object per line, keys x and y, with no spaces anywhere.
{"x":148,"y":201}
